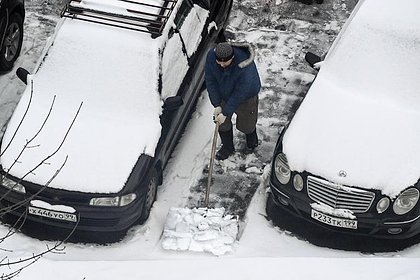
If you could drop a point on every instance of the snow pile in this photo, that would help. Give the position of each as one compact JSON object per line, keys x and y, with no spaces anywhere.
{"x":200,"y":230}
{"x":336,"y":212}
{"x":46,"y":205}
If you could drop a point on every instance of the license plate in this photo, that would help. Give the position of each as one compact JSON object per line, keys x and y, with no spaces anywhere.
{"x":52,"y":214}
{"x":333,"y":221}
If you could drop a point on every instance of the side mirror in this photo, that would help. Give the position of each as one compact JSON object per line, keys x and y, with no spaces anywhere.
{"x":312,"y":59}
{"x":22,"y":74}
{"x":205,"y":4}
{"x":172,"y":103}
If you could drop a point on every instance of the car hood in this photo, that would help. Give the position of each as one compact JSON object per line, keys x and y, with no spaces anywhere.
{"x":97,"y":92}
{"x":361,"y":114}
{"x":376,"y":144}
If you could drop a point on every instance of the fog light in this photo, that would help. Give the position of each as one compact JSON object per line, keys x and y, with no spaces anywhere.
{"x":298,"y":182}
{"x":382,"y":205}
{"x":283,"y":201}
{"x":394,"y":230}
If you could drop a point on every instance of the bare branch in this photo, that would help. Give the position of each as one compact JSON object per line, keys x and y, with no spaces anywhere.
{"x":21,"y":121}
{"x":33,"y":138}
{"x":2,"y":211}
{"x":16,"y":226}
{"x":58,"y":248}
{"x":55,"y":247}
{"x":21,"y":203}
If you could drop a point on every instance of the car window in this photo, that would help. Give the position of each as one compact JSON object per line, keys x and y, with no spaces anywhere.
{"x":174,"y":66}
{"x":181,"y":46}
{"x":183,"y":12}
{"x":192,"y":29}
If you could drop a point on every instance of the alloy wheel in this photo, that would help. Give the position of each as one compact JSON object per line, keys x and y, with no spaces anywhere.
{"x":151,"y":192}
{"x":12,"y":42}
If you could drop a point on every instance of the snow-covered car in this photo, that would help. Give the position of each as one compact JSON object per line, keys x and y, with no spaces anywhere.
{"x":12,"y":14}
{"x":96,"y":125}
{"x":349,"y":159}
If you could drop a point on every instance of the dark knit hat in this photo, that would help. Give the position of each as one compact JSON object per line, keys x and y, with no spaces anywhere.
{"x":224,"y":52}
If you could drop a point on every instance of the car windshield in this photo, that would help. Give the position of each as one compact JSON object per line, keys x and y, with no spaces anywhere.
{"x":378,"y":56}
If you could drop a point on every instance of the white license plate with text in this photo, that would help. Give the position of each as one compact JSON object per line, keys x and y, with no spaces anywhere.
{"x":52,"y":214}
{"x":333,"y":221}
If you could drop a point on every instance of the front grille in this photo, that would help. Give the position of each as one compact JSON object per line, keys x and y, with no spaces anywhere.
{"x":338,"y":196}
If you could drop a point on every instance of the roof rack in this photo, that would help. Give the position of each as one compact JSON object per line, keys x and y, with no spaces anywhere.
{"x":138,"y":20}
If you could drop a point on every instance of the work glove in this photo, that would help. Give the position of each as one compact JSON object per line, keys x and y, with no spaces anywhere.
{"x":217,"y":111}
{"x":220,"y":118}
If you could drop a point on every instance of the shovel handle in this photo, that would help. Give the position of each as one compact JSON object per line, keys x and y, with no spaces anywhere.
{"x":213,"y":152}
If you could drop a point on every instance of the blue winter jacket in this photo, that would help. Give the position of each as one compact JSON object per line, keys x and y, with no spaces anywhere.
{"x":234,"y":84}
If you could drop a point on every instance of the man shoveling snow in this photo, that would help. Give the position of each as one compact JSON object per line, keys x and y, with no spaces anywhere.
{"x":233,"y":84}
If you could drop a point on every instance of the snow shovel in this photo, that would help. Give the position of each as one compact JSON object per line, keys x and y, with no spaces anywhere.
{"x":201,"y":229}
{"x":213,"y":153}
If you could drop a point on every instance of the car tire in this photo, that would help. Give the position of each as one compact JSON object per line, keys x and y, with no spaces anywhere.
{"x":150,"y":195}
{"x":12,"y":42}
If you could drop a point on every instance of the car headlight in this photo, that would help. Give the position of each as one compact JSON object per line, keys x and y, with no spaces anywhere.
{"x":113,"y":201}
{"x":406,"y":201}
{"x":282,"y":169}
{"x":12,"y":185}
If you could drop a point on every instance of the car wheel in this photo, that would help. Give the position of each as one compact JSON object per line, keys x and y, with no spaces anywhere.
{"x":150,"y":195}
{"x":12,"y":44}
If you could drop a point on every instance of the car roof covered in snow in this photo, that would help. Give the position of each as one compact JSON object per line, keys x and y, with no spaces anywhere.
{"x":114,"y":74}
{"x":148,"y":16}
{"x":362,"y":112}
{"x":121,"y":6}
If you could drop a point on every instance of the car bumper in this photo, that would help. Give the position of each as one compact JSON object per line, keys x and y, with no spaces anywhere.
{"x":89,"y":218}
{"x":367,"y":224}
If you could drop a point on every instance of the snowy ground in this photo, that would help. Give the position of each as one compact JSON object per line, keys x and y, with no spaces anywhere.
{"x":282,"y":30}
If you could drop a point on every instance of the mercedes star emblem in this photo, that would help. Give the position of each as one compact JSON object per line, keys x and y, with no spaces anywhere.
{"x":342,"y":173}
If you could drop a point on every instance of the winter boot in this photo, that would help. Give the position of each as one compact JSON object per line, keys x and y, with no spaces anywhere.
{"x":227,"y":145}
{"x":252,"y":140}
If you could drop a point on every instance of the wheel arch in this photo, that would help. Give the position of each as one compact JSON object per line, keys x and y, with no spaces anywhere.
{"x":20,"y":9}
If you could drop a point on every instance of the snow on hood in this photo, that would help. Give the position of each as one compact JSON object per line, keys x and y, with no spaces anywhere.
{"x":361,"y":114}
{"x":114,"y":72}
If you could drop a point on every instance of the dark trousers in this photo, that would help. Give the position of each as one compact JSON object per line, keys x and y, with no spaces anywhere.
{"x":246,"y":116}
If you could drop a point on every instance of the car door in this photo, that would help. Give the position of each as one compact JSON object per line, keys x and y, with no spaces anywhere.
{"x":177,"y":65}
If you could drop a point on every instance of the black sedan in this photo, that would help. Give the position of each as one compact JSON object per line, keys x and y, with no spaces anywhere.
{"x":102,"y":113}
{"x":348,"y":161}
